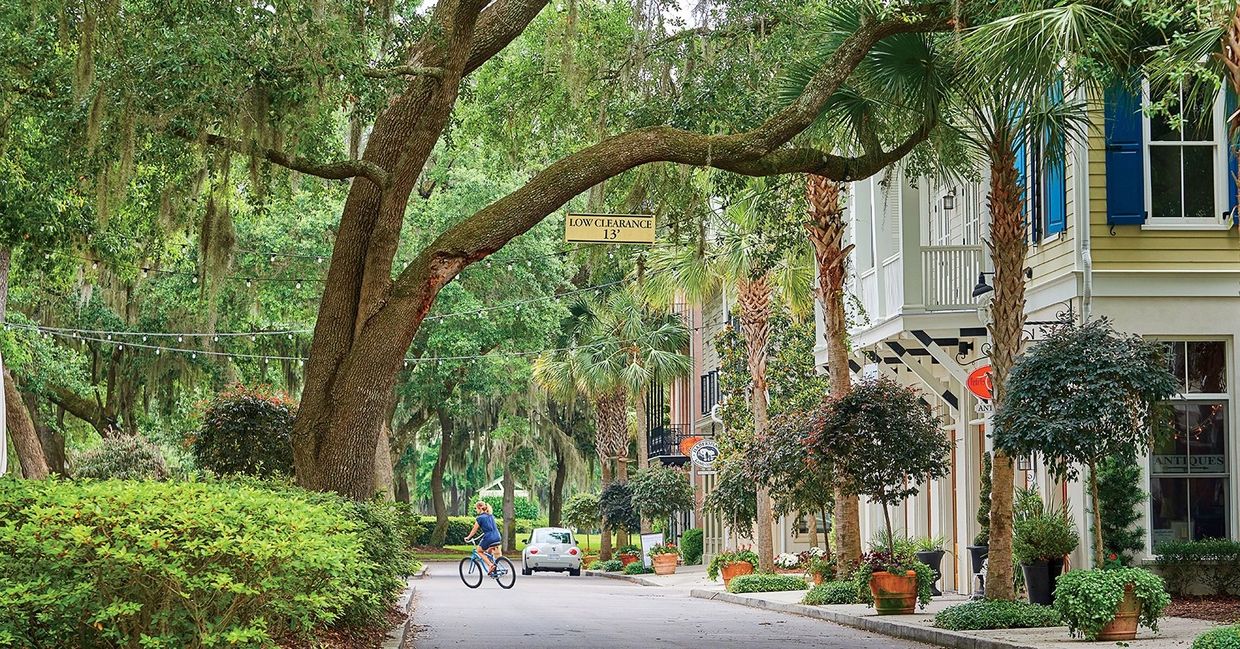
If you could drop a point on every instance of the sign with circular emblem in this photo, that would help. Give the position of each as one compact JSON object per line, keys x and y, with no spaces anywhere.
{"x":704,"y":453}
{"x":980,"y":382}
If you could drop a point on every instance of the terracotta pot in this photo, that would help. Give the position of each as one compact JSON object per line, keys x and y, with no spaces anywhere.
{"x":730,"y":570}
{"x":1124,"y":625}
{"x":664,"y":564}
{"x":589,"y":559}
{"x":894,"y":594}
{"x":626,"y":559}
{"x":817,"y":578}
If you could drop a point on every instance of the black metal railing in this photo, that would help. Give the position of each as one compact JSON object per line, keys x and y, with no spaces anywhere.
{"x":665,"y":441}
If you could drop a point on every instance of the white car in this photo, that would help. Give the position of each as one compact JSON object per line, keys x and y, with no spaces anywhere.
{"x":551,"y":549}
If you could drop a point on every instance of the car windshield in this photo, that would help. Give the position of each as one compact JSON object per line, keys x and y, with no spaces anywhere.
{"x":554,"y":536}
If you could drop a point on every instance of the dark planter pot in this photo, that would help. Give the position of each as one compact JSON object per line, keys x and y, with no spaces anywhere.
{"x":1038,"y":582}
{"x":978,"y":554}
{"x":1055,"y":566}
{"x":934,"y":559}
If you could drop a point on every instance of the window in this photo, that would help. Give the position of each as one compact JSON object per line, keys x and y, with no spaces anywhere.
{"x":1186,"y":167}
{"x":1040,"y":159}
{"x":1189,"y":475}
{"x":710,"y":391}
{"x":554,"y":536}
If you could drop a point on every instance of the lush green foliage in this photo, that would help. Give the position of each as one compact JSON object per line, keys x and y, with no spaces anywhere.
{"x":691,"y":546}
{"x":521,"y":507}
{"x":581,"y":512}
{"x":664,"y":548}
{"x":122,"y":458}
{"x":1088,"y":599}
{"x":897,"y":564}
{"x":637,"y":568}
{"x":247,"y":432}
{"x":832,"y":592}
{"x":660,"y":491}
{"x":611,"y":565}
{"x":1214,"y":563}
{"x":77,"y":570}
{"x":1227,"y":637}
{"x":458,"y":529}
{"x":733,"y":499}
{"x":882,"y":440}
{"x":983,"y":507}
{"x":1120,"y":495}
{"x":766,"y":583}
{"x":730,"y":556}
{"x":615,"y":504}
{"x":1040,"y":533}
{"x":996,"y":614}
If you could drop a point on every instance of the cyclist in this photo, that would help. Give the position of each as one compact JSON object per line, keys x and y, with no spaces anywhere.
{"x":490,"y":542}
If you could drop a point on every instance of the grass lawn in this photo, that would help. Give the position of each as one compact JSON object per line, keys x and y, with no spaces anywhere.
{"x":457,"y":552}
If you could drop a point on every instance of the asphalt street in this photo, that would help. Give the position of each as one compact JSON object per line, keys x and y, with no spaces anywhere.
{"x":550,"y":610}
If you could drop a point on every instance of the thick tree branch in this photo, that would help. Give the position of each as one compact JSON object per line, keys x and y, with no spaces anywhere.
{"x":82,"y":408}
{"x":403,"y":71}
{"x":339,"y":170}
{"x":498,"y":24}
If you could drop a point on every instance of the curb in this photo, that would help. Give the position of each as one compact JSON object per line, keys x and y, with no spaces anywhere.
{"x":398,"y":633}
{"x":622,"y":577}
{"x":929,"y":635}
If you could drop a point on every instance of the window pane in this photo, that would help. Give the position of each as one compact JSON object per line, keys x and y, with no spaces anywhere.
{"x":1199,"y":181}
{"x":1176,"y":354}
{"x":1198,"y":118}
{"x":1165,"y":181}
{"x":1207,"y":366}
{"x":1169,"y":510}
{"x":1207,"y":437}
{"x":1160,"y":124}
{"x":1208,"y":506}
{"x":1171,"y":451}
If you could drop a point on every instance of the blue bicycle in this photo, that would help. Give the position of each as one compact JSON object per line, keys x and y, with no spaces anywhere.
{"x":473,"y":568}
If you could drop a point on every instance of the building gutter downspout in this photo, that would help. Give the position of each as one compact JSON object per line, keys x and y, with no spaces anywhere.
{"x":1084,"y":218}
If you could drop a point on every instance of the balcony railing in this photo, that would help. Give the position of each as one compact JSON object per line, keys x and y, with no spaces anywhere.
{"x":949,"y":274}
{"x":665,"y":443}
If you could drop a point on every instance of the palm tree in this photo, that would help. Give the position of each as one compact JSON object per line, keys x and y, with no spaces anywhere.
{"x":749,"y":255}
{"x":621,"y":348}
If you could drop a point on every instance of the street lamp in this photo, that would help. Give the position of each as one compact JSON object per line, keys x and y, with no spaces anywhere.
{"x":983,"y":288}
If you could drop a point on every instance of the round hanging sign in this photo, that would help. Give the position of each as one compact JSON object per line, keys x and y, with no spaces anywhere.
{"x":980,"y":383}
{"x":704,"y":453}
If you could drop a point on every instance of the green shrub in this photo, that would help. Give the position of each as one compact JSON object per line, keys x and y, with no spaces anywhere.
{"x":832,"y":592}
{"x":766,"y":583}
{"x":246,"y":431}
{"x":996,"y":614}
{"x":458,"y":529}
{"x":637,"y":568}
{"x":521,"y":507}
{"x":1227,"y":637}
{"x":615,"y":504}
{"x":611,"y":565}
{"x":1215,"y":563}
{"x":1121,"y":491}
{"x":581,"y":512}
{"x":595,"y":565}
{"x":174,"y":564}
{"x":691,"y":546}
{"x":122,"y":458}
{"x":1088,"y":599}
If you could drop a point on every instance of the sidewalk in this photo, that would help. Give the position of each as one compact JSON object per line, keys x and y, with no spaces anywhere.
{"x":1174,"y":632}
{"x":686,"y":577}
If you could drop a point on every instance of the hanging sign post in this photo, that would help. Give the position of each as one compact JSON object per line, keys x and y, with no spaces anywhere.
{"x":609,"y":228}
{"x":980,"y":383}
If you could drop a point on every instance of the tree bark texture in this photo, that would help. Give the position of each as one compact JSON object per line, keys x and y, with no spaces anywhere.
{"x":440,"y":532}
{"x":555,"y":500}
{"x":826,"y":230}
{"x":604,"y":544}
{"x":509,"y":484}
{"x":366,"y":320}
{"x":1007,"y":321}
{"x":754,"y":296}
{"x":384,"y":479}
{"x":51,"y":439}
{"x":21,"y":431}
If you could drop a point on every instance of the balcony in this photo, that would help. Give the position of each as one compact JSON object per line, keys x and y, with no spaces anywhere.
{"x":670,"y":443}
{"x":948,"y":275}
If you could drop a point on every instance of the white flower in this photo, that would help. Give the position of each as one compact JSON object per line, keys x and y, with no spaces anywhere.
{"x":817,"y":552}
{"x":786,"y":560}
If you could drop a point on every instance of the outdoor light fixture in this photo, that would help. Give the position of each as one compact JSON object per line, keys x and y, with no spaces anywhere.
{"x":983,"y":288}
{"x":1024,"y":463}
{"x":949,"y":201}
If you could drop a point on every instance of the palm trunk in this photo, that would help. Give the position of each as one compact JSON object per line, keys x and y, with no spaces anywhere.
{"x":755,"y":301}
{"x":509,"y":485}
{"x":437,"y":497}
{"x":643,"y":430}
{"x":826,"y":229}
{"x":1007,"y":233}
{"x":604,"y":545}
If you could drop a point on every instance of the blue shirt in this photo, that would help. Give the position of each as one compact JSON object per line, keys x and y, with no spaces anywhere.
{"x":490,"y":533}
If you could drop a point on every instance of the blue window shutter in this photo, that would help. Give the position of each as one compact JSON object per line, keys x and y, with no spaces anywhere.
{"x":1056,"y":196}
{"x":1124,"y":157}
{"x":1229,"y":104}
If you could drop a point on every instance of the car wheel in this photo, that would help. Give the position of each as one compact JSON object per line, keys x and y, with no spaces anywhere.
{"x":525,"y":570}
{"x":574,"y":572}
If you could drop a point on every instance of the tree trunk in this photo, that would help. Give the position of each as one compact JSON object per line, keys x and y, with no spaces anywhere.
{"x":755,"y":301}
{"x":383,"y":465}
{"x":1099,"y":549}
{"x":1007,"y":233}
{"x":50,"y":438}
{"x":826,"y":230}
{"x":604,"y":544}
{"x":643,"y":430}
{"x":21,"y":431}
{"x":555,"y":500}
{"x":402,"y":487}
{"x":509,"y":485}
{"x":437,"y":500}
{"x":812,"y":524}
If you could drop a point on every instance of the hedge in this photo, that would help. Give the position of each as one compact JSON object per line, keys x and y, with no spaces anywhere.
{"x":459,"y":526}
{"x":766,"y":583}
{"x":1214,"y":563}
{"x":832,"y":592}
{"x":118,"y":563}
{"x":996,"y":614}
{"x":637,"y":568}
{"x":691,"y":546}
{"x":1227,"y":637}
{"x":521,"y":507}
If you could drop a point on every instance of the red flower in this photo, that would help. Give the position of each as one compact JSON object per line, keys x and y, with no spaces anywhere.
{"x":1112,"y":556}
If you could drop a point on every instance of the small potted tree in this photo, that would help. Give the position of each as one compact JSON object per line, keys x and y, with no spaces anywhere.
{"x":884,"y":443}
{"x":732,"y":563}
{"x":615,"y":506}
{"x":981,"y":542}
{"x":661,"y":491}
{"x":1041,"y":538}
{"x":1084,"y":394}
{"x":663,"y":558}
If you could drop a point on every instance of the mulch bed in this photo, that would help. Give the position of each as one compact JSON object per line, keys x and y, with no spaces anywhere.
{"x":1218,"y":608}
{"x":368,"y":638}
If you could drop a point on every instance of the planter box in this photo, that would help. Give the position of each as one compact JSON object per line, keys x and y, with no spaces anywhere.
{"x":664,"y":564}
{"x":894,"y":594}
{"x":1124,"y":625}
{"x":735,"y":570}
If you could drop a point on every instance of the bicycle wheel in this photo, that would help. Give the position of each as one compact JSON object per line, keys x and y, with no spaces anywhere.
{"x":505,"y":574}
{"x":471,"y":572}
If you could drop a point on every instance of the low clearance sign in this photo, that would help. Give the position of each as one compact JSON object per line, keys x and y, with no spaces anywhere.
{"x":609,"y":228}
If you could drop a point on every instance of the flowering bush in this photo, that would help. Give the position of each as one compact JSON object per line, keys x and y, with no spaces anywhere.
{"x":664,"y":548}
{"x":898,"y":564}
{"x":122,"y":458}
{"x":788,"y":561}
